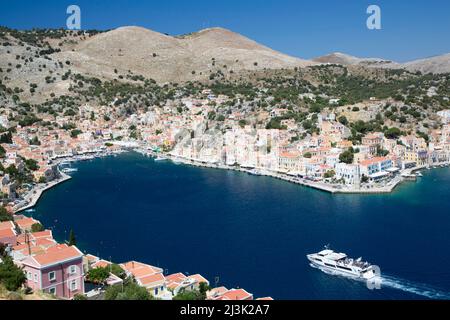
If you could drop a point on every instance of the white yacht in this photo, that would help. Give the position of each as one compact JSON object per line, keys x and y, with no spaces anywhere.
{"x":161,"y":158}
{"x":69,"y":170}
{"x":339,"y":263}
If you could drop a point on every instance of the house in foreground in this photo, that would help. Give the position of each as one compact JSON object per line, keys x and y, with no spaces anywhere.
{"x":149,"y":277}
{"x":57,"y":270}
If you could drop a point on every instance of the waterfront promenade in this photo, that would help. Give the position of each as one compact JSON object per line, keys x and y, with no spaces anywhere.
{"x":32,"y":197}
{"x":383,"y":188}
{"x":334,"y":189}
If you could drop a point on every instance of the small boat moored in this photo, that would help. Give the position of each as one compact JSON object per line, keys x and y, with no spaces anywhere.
{"x":161,"y":158}
{"x":255,"y":172}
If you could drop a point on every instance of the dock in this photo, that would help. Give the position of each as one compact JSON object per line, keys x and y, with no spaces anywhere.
{"x":33,"y":196}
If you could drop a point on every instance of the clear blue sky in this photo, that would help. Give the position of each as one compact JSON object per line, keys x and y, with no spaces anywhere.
{"x":410,"y":28}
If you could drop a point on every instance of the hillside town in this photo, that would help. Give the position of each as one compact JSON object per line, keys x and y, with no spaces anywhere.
{"x":327,"y":158}
{"x":32,"y":158}
{"x":339,"y":128}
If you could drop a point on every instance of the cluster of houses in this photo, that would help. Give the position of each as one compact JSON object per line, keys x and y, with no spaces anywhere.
{"x":60,"y":269}
{"x":316,"y":157}
{"x":196,"y":134}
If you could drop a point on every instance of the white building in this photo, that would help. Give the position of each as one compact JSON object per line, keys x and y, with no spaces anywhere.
{"x":349,"y":172}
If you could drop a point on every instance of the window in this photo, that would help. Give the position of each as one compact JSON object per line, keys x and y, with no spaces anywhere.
{"x":73,"y":285}
{"x":29,"y":275}
{"x":52,"y":276}
{"x":73,"y":269}
{"x":35,"y":277}
{"x":52,"y":290}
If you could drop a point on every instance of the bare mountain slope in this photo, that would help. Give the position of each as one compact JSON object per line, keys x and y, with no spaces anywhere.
{"x":165,"y":58}
{"x":345,"y":59}
{"x":438,"y":64}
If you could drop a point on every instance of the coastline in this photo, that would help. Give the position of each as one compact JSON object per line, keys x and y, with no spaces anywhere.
{"x":389,"y":187}
{"x":188,"y":162}
{"x":209,"y":186}
{"x":32,"y":197}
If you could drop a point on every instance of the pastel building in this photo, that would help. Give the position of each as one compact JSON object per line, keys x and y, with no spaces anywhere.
{"x":58,"y":271}
{"x":420,"y":158}
{"x":376,"y":167}
{"x":178,"y":281}
{"x":373,"y":141}
{"x":149,"y":277}
{"x":350,"y":173}
{"x":8,"y":234}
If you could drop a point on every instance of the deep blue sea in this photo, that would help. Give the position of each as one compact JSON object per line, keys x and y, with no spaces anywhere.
{"x":254,"y":232}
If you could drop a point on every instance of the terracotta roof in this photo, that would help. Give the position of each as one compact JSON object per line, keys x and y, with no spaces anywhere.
{"x":237,"y":294}
{"x":291,"y":154}
{"x":140,"y":270}
{"x":373,"y":160}
{"x":216,"y":292}
{"x":199,"y":278}
{"x":56,"y":254}
{"x":156,"y":279}
{"x":6,"y":225}
{"x":176,"y":277}
{"x":26,"y":222}
{"x":7,"y":233}
{"x":92,"y":258}
{"x":101,"y":264}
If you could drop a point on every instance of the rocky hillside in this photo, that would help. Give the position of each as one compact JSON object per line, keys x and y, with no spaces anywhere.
{"x":345,"y":59}
{"x":438,"y":64}
{"x":37,"y":64}
{"x":173,"y":59}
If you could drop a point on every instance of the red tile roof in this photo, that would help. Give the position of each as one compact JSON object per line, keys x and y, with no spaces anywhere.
{"x":57,"y":254}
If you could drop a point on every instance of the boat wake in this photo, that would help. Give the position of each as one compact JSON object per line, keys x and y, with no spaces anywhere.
{"x":392,"y":282}
{"x":420,"y":289}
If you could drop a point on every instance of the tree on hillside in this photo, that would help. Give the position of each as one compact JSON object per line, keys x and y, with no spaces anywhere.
{"x":98,"y":275}
{"x":343,"y":120}
{"x":31,"y":164}
{"x":37,"y":227}
{"x":4,"y":215}
{"x":72,"y":240}
{"x":329,"y":174}
{"x":346,"y":157}
{"x":2,"y":250}
{"x":130,"y":290}
{"x":189,"y":295}
{"x":117,"y":270}
{"x":11,"y":276}
{"x":393,"y":133}
{"x":203,"y":288}
{"x":6,"y":137}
